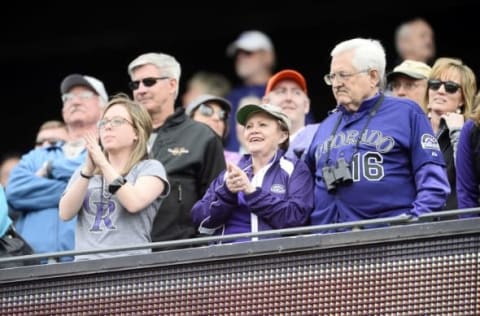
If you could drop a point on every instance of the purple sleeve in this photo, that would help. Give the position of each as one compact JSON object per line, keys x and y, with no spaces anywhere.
{"x":309,"y":154}
{"x":432,"y":189}
{"x":215,"y":207}
{"x":424,"y":147}
{"x":292,"y":210}
{"x":467,"y":183}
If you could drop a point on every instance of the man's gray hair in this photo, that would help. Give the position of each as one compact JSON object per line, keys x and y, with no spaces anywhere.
{"x":165,"y":63}
{"x":367,"y":54}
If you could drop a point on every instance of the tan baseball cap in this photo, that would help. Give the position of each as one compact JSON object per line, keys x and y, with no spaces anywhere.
{"x":411,"y":68}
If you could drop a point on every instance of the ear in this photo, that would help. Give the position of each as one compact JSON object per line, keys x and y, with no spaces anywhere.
{"x":283,"y":137}
{"x":307,"y":105}
{"x":374,"y":77}
{"x":173,"y":84}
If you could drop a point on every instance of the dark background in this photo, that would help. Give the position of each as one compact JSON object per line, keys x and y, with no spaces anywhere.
{"x":44,"y":43}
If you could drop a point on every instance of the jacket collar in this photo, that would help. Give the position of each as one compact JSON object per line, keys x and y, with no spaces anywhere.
{"x":246,"y":161}
{"x":178,"y":117}
{"x":366,"y":105}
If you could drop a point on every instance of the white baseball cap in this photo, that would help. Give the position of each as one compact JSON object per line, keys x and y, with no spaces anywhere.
{"x":87,"y":81}
{"x":250,"y":41}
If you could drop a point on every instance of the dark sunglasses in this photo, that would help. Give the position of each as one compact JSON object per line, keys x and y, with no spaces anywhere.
{"x":450,"y":86}
{"x":147,"y":82}
{"x":206,"y":110}
{"x":49,"y":141}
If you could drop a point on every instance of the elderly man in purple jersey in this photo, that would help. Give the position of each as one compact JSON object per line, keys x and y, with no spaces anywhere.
{"x":376,"y":155}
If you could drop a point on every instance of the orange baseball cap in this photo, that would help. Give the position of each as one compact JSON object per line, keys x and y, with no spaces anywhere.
{"x":286,"y":74}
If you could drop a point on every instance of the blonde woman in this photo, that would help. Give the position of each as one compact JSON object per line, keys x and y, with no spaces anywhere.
{"x":117,"y":191}
{"x":451,"y":90}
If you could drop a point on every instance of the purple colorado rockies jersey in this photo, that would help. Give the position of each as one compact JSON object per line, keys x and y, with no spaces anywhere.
{"x":397,"y":167}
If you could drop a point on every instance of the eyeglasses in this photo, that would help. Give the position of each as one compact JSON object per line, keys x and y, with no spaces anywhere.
{"x":147,"y":82}
{"x":208,"y":111}
{"x":342,"y":76}
{"x":450,"y":86}
{"x":47,"y":141}
{"x":114,"y":122}
{"x":85,"y":95}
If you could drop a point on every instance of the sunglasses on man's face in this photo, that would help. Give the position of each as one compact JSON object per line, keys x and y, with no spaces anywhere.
{"x":47,"y":142}
{"x":147,"y":82}
{"x":449,"y":86}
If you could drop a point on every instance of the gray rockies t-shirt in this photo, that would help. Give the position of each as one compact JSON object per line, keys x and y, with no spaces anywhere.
{"x":104,"y":223}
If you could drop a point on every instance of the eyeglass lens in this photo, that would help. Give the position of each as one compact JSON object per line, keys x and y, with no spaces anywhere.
{"x":147,"y":82}
{"x":114,"y":122}
{"x":450,"y":86}
{"x":82,"y":95}
{"x":341,"y":76}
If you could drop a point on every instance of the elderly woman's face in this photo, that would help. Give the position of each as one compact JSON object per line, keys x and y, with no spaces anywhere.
{"x":263,"y":134}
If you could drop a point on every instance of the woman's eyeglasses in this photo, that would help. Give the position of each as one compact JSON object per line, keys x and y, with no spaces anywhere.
{"x":114,"y":122}
{"x":209,"y":111}
{"x":450,"y":86}
{"x":147,"y":82}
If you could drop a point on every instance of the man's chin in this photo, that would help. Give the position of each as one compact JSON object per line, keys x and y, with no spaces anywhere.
{"x":343,"y":99}
{"x":147,"y":104}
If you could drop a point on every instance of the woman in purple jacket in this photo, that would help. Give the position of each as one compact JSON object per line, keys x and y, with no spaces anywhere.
{"x":264,"y":190}
{"x":468,"y":160}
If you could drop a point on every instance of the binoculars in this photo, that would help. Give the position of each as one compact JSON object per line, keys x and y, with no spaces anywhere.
{"x":340,"y":174}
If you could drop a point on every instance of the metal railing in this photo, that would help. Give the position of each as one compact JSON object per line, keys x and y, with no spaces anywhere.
{"x":397,"y":220}
{"x":428,"y":265}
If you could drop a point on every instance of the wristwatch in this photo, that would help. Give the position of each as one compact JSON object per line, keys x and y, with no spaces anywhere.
{"x":116,"y":184}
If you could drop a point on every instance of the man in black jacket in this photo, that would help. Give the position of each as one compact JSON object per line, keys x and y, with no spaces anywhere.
{"x":190,"y":151}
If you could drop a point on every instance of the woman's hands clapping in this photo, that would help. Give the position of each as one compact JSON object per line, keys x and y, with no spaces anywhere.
{"x":237,"y":181}
{"x":95,"y":157}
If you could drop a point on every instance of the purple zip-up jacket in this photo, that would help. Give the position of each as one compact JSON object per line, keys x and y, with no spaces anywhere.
{"x":285,"y":199}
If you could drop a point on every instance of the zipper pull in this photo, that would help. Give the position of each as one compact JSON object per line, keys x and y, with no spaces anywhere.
{"x":179,"y":193}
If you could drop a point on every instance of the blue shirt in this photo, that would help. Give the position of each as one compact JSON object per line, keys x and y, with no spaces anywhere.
{"x":37,"y":198}
{"x":5,"y":221}
{"x":300,"y":144}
